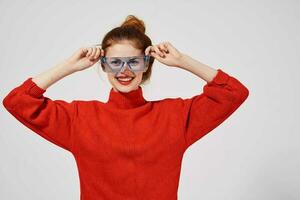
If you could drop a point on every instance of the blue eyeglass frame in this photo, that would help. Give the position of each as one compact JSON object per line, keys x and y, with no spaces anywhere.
{"x":124,"y":60}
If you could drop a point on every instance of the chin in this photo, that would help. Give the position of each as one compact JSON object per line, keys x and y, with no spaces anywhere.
{"x":125,"y":88}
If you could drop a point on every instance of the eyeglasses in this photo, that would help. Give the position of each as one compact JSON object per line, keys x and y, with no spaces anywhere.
{"x":116,"y":64}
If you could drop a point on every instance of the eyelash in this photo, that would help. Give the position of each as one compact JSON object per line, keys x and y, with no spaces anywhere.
{"x":133,"y":61}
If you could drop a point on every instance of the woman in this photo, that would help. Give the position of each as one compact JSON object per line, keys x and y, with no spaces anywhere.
{"x":127,"y":147}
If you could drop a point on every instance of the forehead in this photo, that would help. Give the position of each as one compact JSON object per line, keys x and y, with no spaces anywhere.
{"x":122,"y":49}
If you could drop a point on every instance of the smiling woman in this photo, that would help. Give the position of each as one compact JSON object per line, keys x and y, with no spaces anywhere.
{"x":128,"y":40}
{"x":127,"y":147}
{"x":118,"y":65}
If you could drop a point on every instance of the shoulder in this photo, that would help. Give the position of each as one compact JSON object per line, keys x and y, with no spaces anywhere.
{"x":180,"y":103}
{"x":86,"y":106}
{"x":169,"y":103}
{"x":81,"y":102}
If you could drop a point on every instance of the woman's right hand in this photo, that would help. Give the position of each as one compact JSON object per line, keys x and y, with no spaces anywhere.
{"x":85,"y":57}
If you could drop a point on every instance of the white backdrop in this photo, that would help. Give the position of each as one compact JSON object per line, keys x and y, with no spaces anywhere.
{"x":253,"y":155}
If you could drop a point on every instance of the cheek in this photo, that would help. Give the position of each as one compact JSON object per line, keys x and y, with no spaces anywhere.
{"x":111,"y":77}
{"x":139,"y":76}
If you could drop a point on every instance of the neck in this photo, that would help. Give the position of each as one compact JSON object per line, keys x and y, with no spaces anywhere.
{"x":126,"y":100}
{"x":124,"y":92}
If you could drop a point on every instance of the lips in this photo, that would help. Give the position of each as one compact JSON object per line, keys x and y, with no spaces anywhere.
{"x":124,"y":78}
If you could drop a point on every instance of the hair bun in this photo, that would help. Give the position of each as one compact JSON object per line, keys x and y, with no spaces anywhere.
{"x":133,"y":21}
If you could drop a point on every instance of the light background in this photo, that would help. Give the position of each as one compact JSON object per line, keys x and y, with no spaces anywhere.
{"x":253,"y":155}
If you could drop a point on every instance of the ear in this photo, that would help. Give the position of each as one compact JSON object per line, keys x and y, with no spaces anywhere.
{"x":147,"y":50}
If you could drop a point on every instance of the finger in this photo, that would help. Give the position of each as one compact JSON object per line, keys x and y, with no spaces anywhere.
{"x":165,"y":47}
{"x":155,"y":55}
{"x":162,"y":48}
{"x":169,"y":46}
{"x":88,"y":52}
{"x":157,"y":51}
{"x":93,"y":52}
{"x":163,"y":56}
{"x":83,"y":51}
{"x":97,"y":53}
{"x":102,"y":52}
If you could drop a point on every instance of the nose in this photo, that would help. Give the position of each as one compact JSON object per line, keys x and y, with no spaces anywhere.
{"x":125,"y":70}
{"x":125,"y":67}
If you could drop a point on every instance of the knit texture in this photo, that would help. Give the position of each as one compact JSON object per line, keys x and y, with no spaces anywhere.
{"x":128,"y":147}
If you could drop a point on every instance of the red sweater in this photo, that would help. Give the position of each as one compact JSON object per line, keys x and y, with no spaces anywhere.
{"x":128,"y":147}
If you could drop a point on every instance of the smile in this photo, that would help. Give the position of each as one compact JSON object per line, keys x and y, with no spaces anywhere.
{"x":124,"y":80}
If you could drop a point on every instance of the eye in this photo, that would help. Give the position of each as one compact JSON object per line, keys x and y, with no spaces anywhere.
{"x":115,"y":62}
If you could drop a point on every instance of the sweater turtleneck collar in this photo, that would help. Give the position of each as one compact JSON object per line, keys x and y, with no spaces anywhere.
{"x":126,"y":100}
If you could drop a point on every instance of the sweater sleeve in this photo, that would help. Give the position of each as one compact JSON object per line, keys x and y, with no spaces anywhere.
{"x":51,"y":119}
{"x":204,"y":112}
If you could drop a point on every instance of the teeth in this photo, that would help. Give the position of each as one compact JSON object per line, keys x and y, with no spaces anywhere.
{"x":125,"y":79}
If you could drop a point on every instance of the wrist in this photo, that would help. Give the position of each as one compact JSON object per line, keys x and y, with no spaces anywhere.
{"x":183,"y":61}
{"x":65,"y":67}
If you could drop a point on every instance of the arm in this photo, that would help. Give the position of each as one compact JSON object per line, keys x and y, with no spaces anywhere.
{"x":201,"y":70}
{"x":51,"y":76}
{"x":221,"y":96}
{"x":51,"y":119}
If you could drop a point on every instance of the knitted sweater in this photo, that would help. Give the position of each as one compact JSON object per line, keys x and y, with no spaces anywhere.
{"x":128,"y":147}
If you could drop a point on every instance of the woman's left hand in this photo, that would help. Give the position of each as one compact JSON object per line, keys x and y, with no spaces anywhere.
{"x":165,"y":53}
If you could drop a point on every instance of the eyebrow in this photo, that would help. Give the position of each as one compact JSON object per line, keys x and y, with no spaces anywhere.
{"x":132,"y":57}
